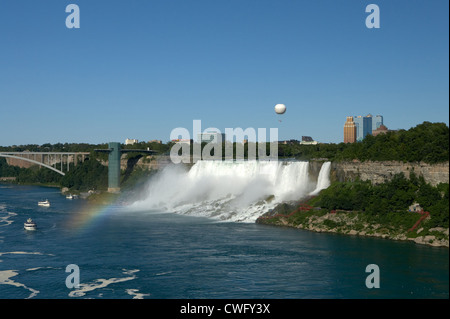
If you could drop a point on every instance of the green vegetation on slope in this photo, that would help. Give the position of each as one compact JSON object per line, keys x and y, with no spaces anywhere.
{"x":32,"y":175}
{"x":427,"y":142}
{"x":388,"y":199}
{"x":361,"y":207}
{"x":89,"y":175}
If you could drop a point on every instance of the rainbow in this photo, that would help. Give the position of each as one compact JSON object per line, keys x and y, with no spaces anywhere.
{"x":90,"y":216}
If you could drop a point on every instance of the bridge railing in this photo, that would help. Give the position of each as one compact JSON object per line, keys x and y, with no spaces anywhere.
{"x":48,"y":159}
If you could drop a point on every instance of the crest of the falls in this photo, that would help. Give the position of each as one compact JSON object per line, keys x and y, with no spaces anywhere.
{"x":230,"y":190}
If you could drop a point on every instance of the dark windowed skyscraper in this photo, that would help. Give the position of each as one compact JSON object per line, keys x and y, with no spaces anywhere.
{"x":363,"y":126}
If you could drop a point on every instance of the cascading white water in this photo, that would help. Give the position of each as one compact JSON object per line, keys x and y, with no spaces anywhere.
{"x":323,"y":181}
{"x":227,"y":190}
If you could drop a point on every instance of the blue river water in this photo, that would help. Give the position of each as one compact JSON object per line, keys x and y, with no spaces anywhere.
{"x":147,"y":254}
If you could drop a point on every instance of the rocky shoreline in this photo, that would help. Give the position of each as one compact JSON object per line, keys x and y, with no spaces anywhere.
{"x":351,"y":224}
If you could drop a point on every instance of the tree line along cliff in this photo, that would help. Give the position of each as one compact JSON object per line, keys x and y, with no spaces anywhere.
{"x":423,"y":149}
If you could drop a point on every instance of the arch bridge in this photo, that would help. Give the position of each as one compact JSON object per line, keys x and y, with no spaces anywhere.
{"x":50,"y":160}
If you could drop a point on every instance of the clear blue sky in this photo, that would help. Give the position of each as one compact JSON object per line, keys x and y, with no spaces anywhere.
{"x":138,"y":69}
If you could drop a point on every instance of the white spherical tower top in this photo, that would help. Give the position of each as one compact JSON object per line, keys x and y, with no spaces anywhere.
{"x":280,"y":108}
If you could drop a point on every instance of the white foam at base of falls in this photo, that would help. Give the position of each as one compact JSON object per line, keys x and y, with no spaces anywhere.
{"x":230,"y":190}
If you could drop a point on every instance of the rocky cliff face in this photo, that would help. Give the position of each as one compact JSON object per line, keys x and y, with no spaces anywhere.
{"x":378,"y":172}
{"x":19,"y":163}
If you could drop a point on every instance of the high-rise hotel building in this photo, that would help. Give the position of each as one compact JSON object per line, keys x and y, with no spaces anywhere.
{"x":349,"y":130}
{"x":363,"y":126}
{"x":377,"y":121}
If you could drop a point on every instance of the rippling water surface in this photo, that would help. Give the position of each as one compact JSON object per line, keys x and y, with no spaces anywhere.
{"x":153,"y":254}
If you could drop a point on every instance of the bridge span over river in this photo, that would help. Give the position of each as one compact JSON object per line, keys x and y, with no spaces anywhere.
{"x":56,"y":161}
{"x":60,"y":161}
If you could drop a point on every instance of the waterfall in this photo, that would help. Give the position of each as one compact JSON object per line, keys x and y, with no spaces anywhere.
{"x":230,"y":190}
{"x":323,"y":181}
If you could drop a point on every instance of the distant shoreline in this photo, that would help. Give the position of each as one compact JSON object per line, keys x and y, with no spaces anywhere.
{"x":10,"y":182}
{"x":350,"y":224}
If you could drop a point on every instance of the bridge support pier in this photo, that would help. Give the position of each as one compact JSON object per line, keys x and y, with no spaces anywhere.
{"x":115,"y":152}
{"x":114,"y":167}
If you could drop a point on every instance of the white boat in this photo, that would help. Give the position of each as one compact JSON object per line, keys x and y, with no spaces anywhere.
{"x":69,"y":196}
{"x":45,"y":203}
{"x":30,"y":224}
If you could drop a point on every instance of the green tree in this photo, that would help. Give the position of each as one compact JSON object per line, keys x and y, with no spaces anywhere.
{"x":87,"y":175}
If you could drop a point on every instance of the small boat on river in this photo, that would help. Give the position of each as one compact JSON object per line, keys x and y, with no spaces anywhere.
{"x":30,"y":224}
{"x":44,"y":203}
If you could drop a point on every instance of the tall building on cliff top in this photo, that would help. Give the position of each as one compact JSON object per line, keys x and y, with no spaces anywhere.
{"x":349,"y":130}
{"x":363,"y":126}
{"x":377,"y":121}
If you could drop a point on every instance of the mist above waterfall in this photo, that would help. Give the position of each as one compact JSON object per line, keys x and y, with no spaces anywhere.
{"x":230,"y":190}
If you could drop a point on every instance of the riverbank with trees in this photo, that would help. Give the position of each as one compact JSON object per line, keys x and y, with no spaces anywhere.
{"x":401,"y":209}
{"x":356,"y":207}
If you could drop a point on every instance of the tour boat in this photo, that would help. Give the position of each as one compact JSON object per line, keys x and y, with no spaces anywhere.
{"x":30,"y":224}
{"x":45,"y":203}
{"x":69,"y":196}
